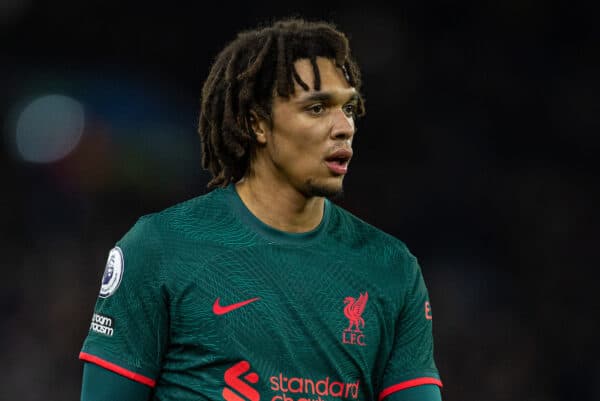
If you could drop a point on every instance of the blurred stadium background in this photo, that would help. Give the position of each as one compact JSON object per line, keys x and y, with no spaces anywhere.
{"x":478,"y":150}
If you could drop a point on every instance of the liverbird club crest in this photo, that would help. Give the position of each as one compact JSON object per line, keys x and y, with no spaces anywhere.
{"x":353,"y":310}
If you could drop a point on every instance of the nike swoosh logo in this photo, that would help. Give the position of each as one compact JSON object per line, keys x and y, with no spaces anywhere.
{"x":221,"y":310}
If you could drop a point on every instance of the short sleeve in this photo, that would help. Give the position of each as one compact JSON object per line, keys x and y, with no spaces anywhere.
{"x":129,"y":327}
{"x":411,"y":361}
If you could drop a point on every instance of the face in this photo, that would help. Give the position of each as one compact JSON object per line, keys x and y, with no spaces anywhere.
{"x":308,"y":146}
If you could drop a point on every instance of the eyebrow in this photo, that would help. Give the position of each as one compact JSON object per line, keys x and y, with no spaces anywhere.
{"x":325,"y":97}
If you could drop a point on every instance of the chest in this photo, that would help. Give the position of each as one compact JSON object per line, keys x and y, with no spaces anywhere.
{"x":297,"y":317}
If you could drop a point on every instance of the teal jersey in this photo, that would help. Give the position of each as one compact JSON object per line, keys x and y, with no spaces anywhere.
{"x":203,"y":301}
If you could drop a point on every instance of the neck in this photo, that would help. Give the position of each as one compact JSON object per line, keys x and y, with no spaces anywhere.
{"x":281,"y":207}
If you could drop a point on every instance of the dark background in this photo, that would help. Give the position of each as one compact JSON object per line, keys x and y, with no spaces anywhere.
{"x":478,"y":150}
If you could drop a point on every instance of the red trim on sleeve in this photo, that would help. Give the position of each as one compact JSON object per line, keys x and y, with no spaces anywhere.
{"x":408,"y":384}
{"x":117,"y":369}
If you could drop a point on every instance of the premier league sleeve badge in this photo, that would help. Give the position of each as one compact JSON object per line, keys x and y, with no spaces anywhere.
{"x":113,"y":273}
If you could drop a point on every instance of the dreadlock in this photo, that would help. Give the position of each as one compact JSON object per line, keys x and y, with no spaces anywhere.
{"x":246,"y":75}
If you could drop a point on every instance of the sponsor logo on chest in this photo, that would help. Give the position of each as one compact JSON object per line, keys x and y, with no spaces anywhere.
{"x":239,"y":381}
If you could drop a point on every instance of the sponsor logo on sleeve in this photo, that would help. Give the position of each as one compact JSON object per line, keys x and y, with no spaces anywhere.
{"x":113,"y":273}
{"x":353,"y":311}
{"x":103,"y":324}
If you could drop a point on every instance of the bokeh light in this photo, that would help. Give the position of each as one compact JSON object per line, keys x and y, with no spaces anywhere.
{"x":49,"y":128}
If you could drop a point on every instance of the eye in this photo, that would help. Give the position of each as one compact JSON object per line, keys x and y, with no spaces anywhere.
{"x":350,"y":109}
{"x":316,"y":109}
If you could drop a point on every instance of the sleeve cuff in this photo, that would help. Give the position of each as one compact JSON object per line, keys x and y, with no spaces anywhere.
{"x":84,"y":356}
{"x":408,"y":384}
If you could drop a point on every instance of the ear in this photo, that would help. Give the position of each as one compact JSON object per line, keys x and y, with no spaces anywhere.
{"x":259,"y":127}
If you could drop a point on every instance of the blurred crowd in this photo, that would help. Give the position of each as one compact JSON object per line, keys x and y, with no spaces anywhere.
{"x":478,"y":150}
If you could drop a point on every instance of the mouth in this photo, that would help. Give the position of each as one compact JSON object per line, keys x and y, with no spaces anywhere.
{"x":338,"y":161}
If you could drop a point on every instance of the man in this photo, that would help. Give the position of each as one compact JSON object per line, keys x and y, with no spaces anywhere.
{"x":263,"y":289}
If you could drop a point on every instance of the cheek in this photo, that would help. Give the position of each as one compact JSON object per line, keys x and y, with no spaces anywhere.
{"x":298,"y":156}
{"x":304,"y":137}
{"x":298,"y":144}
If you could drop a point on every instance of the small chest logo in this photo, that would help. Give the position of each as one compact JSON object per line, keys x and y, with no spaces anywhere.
{"x":353,"y":310}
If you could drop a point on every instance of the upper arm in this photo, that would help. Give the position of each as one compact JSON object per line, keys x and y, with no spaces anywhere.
{"x":411,"y":363}
{"x":129,"y":326}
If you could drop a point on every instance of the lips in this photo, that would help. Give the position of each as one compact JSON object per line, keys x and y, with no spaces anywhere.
{"x":338,"y":161}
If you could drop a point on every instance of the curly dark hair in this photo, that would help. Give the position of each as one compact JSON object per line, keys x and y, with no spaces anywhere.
{"x":245,"y":76}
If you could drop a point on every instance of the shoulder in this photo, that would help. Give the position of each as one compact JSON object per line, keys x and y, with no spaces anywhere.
{"x":386,"y":256}
{"x":190,"y":219}
{"x":189,"y":232}
{"x":354,"y":229}
{"x":158,"y":243}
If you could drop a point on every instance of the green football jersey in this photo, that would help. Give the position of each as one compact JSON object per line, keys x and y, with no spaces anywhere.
{"x":203,"y":301}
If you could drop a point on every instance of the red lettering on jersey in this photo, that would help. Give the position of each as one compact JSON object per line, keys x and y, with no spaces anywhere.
{"x":274,"y":383}
{"x":340,"y":389}
{"x":314,"y":390}
{"x":324,"y":384}
{"x":353,"y":338}
{"x":360,"y":340}
{"x":428,"y":311}
{"x":298,"y":388}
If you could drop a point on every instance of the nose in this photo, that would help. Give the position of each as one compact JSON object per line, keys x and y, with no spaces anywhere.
{"x":342,"y":125}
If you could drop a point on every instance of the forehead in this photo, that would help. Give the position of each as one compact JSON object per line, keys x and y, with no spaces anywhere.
{"x":332,"y":77}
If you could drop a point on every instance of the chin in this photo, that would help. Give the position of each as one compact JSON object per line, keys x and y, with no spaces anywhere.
{"x":314,"y":188}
